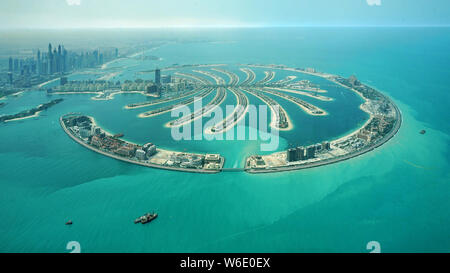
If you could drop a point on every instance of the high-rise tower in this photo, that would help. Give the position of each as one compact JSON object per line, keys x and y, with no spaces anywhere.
{"x":158,"y":76}
{"x":38,"y":62}
{"x":11,"y":67}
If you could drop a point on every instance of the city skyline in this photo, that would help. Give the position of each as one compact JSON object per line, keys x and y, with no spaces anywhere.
{"x":201,"y":13}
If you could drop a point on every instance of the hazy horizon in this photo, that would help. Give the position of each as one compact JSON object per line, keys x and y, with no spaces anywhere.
{"x":100,"y":14}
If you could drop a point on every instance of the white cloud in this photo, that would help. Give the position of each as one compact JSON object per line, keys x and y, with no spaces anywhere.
{"x":374,"y":2}
{"x":73,"y":2}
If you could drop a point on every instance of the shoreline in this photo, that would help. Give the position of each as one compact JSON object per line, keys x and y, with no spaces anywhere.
{"x":167,"y":125}
{"x":177,"y":106}
{"x":251,"y":76}
{"x":32,"y":116}
{"x":99,"y":93}
{"x":150,"y":103}
{"x":146,"y":164}
{"x":236,"y":121}
{"x":31,"y":113}
{"x":234,"y":79}
{"x":336,"y":159}
{"x":288,"y":119}
{"x":305,"y":109}
{"x":367,"y":106}
{"x":298,"y":92}
{"x":370,"y":147}
{"x":269,"y":76}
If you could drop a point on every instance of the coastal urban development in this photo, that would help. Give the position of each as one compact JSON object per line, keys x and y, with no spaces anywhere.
{"x":383,"y":124}
{"x":384,"y":121}
{"x":186,"y":84}
{"x":31,"y":71}
{"x":85,"y":131}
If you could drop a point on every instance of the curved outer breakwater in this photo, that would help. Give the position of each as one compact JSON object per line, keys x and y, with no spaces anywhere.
{"x":335,"y":159}
{"x":379,"y":117}
{"x":219,"y":166}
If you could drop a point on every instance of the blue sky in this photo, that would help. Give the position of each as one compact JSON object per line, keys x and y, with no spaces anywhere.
{"x":206,"y":13}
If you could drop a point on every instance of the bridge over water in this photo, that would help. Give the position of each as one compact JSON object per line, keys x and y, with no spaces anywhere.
{"x":233,"y":169}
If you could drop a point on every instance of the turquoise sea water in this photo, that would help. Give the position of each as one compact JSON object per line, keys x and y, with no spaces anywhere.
{"x":397,"y":195}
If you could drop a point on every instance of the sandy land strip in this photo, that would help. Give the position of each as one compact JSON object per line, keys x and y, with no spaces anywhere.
{"x":47,"y":82}
{"x":287,"y":79}
{"x":99,"y":93}
{"x":291,"y":99}
{"x":160,"y":153}
{"x":205,"y":110}
{"x":73,"y":92}
{"x":269,"y":76}
{"x":108,"y":76}
{"x":32,"y":116}
{"x":113,"y":94}
{"x":331,"y":77}
{"x":234,"y":79}
{"x":306,"y":89}
{"x":356,"y":131}
{"x":230,"y":81}
{"x":250,"y":75}
{"x":191,"y":76}
{"x":94,"y":123}
{"x":17,"y":94}
{"x":177,"y":106}
{"x":193,"y":92}
{"x":104,"y":66}
{"x":274,"y":116}
{"x":216,"y":78}
{"x":232,"y":124}
{"x":318,"y":97}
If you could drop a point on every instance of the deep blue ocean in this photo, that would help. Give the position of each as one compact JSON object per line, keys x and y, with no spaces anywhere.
{"x":397,"y":194}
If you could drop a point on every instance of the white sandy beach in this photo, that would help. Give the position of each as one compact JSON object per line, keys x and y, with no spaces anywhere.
{"x":32,"y":116}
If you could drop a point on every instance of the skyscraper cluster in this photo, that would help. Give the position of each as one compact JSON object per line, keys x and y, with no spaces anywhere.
{"x":57,"y":60}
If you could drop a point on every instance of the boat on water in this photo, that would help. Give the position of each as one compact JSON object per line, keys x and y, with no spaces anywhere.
{"x":423,"y":132}
{"x":146,"y":218}
{"x":68,"y":223}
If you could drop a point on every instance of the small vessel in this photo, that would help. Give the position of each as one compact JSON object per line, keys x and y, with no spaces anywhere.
{"x":423,"y":132}
{"x":118,"y":135}
{"x":68,"y":223}
{"x":147,"y":218}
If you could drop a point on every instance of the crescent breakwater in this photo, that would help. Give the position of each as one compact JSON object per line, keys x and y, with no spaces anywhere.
{"x":384,"y":122}
{"x":84,"y":130}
